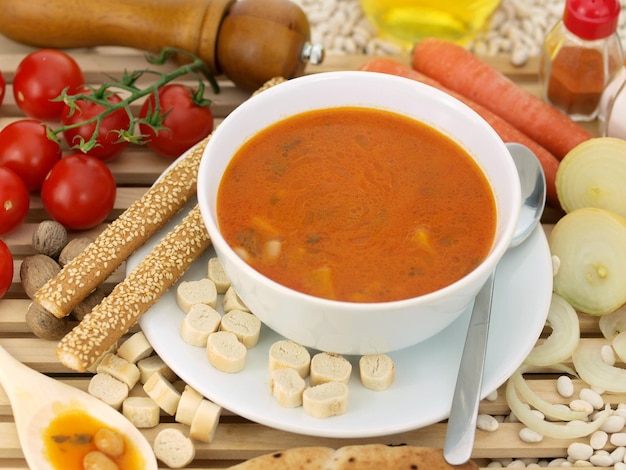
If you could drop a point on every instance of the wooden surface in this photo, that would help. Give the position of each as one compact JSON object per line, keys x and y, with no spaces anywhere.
{"x":236,"y":438}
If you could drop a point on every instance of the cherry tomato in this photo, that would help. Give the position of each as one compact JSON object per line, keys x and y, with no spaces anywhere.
{"x":26,"y":149}
{"x":79,"y":191}
{"x":40,"y":77}
{"x":108,"y":145}
{"x":6,"y":268}
{"x":2,"y":87}
{"x":14,"y":200}
{"x":187,"y":123}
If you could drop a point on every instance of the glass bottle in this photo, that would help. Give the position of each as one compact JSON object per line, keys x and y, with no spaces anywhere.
{"x":580,"y":56}
{"x":408,"y":21}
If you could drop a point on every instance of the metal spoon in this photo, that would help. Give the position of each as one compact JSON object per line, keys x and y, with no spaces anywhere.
{"x":463,"y":414}
{"x":37,"y":399}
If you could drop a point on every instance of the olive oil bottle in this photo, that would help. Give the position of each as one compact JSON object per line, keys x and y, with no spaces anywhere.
{"x":408,"y":21}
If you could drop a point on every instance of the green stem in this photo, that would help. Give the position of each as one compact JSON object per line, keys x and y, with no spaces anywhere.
{"x":127,"y":84}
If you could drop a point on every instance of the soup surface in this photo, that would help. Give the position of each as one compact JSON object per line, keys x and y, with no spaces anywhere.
{"x":356,"y":204}
{"x":70,"y":437}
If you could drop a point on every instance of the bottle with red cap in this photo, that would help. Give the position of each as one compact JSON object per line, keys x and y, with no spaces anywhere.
{"x":580,"y":56}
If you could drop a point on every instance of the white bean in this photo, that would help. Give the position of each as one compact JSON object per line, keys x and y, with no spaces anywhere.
{"x":519,"y":56}
{"x":516,"y":464}
{"x":487,"y":423}
{"x":618,"y":454}
{"x":579,"y":451}
{"x":618,"y":439}
{"x":601,"y":460}
{"x":620,"y":466}
{"x":530,"y":435}
{"x":613,"y":424}
{"x":529,"y":461}
{"x":608,"y":354}
{"x":565,"y":386}
{"x":559,"y":463}
{"x":581,"y":405}
{"x":598,"y":439}
{"x":592,"y":397}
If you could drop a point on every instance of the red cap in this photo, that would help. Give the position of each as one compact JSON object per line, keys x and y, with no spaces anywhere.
{"x":591,"y":19}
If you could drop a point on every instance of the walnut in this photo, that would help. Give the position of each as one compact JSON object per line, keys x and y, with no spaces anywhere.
{"x":49,"y":238}
{"x":88,"y":303}
{"x":45,"y":325}
{"x":35,"y":271}
{"x":73,"y":249}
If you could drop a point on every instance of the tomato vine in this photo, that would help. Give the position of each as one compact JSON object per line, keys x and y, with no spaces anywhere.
{"x":127,"y":86}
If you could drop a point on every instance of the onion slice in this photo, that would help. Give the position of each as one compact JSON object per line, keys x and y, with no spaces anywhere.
{"x":591,"y":368}
{"x":591,"y":246}
{"x":550,"y":410}
{"x":569,"y":430}
{"x":619,"y":345}
{"x":613,"y":323}
{"x":593,"y":174}
{"x":563,"y":339}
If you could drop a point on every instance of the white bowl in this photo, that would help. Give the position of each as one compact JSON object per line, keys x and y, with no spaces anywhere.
{"x":345,"y":327}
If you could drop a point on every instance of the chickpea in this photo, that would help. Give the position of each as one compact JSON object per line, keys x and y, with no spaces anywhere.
{"x":96,"y":460}
{"x":109,"y":442}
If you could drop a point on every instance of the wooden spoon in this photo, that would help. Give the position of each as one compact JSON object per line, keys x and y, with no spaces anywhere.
{"x":37,"y":399}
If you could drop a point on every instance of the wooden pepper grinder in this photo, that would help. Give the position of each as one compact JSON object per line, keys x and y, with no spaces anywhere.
{"x":249,"y":41}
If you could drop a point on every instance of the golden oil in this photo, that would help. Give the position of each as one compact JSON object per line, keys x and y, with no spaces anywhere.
{"x":408,"y":21}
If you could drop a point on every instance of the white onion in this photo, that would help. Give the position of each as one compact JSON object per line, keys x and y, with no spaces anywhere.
{"x":590,"y":366}
{"x":593,"y":174}
{"x":613,"y":323}
{"x":568,"y":430}
{"x":619,"y":345}
{"x":591,"y":246}
{"x":550,"y":410}
{"x":560,"y":345}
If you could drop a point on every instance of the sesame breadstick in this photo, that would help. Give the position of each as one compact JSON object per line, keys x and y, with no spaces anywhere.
{"x":132,"y":297}
{"x":122,"y":237}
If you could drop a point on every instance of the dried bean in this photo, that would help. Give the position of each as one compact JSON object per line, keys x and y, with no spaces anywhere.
{"x":581,"y":405}
{"x":601,"y":460}
{"x":579,"y":451}
{"x":618,"y":454}
{"x":613,"y":424}
{"x":487,"y":423}
{"x":592,"y":397}
{"x":565,"y":386}
{"x":598,"y":439}
{"x":559,"y":463}
{"x":530,"y":435}
{"x":618,"y":439}
{"x":516,"y":464}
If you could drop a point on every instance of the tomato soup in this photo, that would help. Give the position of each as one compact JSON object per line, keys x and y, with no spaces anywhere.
{"x":356,"y":204}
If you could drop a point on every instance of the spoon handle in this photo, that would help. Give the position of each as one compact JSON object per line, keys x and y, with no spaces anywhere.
{"x":461,"y":426}
{"x":13,"y":374}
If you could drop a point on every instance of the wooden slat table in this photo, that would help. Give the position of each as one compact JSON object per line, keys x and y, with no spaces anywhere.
{"x":237,"y":439}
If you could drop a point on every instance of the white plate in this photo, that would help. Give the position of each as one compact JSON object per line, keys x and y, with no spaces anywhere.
{"x":425,"y":374}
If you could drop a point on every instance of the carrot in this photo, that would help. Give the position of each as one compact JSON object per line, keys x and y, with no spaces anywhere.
{"x":458,"y":69}
{"x":506,"y":131}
